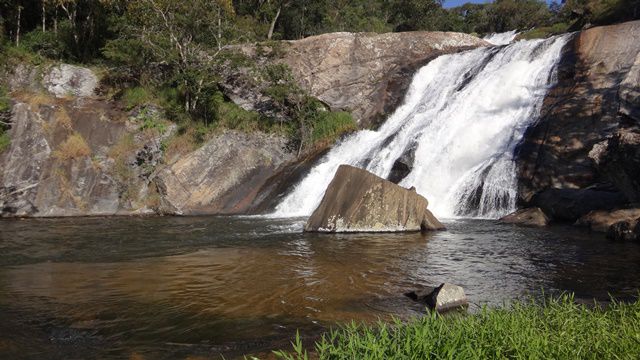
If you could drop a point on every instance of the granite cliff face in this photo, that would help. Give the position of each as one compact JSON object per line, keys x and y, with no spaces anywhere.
{"x":595,"y":100}
{"x":74,"y":153}
{"x":366,"y":74}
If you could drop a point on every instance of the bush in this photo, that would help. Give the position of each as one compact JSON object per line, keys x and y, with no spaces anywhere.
{"x":73,"y":148}
{"x":544,"y":32}
{"x":45,"y":44}
{"x":331,"y":125}
{"x":136,"y":96}
{"x":5,"y":141}
{"x":556,"y":329}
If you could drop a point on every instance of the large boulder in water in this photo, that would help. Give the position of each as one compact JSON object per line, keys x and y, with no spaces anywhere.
{"x":359,"y":201}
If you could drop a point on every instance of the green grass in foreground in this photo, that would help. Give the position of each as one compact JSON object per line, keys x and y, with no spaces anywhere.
{"x":556,"y":329}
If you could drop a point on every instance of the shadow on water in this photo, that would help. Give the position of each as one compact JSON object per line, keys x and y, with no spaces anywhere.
{"x":186,"y":286}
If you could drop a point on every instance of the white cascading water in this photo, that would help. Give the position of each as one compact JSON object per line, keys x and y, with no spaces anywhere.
{"x":461,"y":119}
{"x":504,"y":38}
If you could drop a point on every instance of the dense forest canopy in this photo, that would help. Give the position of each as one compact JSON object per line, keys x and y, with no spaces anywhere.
{"x":83,"y":27}
{"x":171,"y":51}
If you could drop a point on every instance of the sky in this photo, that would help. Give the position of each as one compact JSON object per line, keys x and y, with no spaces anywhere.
{"x":454,"y":3}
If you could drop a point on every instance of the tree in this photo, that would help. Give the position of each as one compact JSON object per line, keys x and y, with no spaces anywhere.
{"x":178,"y":36}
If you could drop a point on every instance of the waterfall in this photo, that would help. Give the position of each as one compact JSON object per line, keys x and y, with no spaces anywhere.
{"x":456,"y":131}
{"x":501,"y":38}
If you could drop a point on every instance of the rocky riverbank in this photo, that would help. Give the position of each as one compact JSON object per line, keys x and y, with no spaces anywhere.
{"x":582,"y":156}
{"x":75,"y":152}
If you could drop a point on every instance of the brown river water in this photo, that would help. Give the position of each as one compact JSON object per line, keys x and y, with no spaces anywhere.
{"x":202,"y":287}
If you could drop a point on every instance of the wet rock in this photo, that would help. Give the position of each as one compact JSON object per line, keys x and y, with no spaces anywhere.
{"x":359,"y":201}
{"x":70,"y":80}
{"x":364,"y":73}
{"x":618,"y":160}
{"x":402,"y":166}
{"x":602,"y":220}
{"x":442,"y":298}
{"x":580,"y":111}
{"x":624,"y":231}
{"x":534,"y":217}
{"x":630,"y":92}
{"x":224,"y":175}
{"x":571,"y":204}
{"x":13,"y":203}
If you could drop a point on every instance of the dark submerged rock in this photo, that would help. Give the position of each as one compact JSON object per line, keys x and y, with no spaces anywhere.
{"x":571,"y":204}
{"x":624,"y":231}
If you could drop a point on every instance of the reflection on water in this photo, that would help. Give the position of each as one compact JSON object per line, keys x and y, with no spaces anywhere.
{"x":202,"y":286}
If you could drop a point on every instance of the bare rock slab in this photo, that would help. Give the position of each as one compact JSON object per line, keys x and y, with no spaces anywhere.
{"x":602,"y":220}
{"x":442,"y":298}
{"x":70,"y":80}
{"x":533,"y":217}
{"x":359,"y":201}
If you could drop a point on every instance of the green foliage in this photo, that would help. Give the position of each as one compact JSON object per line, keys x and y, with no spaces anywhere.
{"x":136,"y":96}
{"x":171,"y":53}
{"x":5,"y":113}
{"x":151,"y":121}
{"x":5,"y":101}
{"x":5,"y":141}
{"x":46,"y":44}
{"x":329,"y":126}
{"x":556,"y":329}
{"x":544,"y":32}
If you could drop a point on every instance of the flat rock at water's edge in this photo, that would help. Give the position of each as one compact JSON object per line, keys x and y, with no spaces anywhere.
{"x":442,"y":298}
{"x":359,"y":201}
{"x":602,"y":220}
{"x":527,"y":217}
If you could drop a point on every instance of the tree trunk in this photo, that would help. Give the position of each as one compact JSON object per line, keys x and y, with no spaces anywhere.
{"x":273,"y":24}
{"x":18,"y":26}
{"x":55,"y":21}
{"x":44,"y":17}
{"x":219,"y":28}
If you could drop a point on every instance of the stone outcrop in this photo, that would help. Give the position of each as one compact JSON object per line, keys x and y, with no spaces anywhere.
{"x":77,"y":155}
{"x":617,"y":160}
{"x":224,"y":175}
{"x":584,"y":153}
{"x":571,"y":204}
{"x":627,"y":230}
{"x":595,"y":76}
{"x":57,"y":163}
{"x":364,"y":73}
{"x":602,"y":220}
{"x":70,"y":80}
{"x":533,"y":217}
{"x":358,"y":201}
{"x":442,"y":298}
{"x":630,"y":92}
